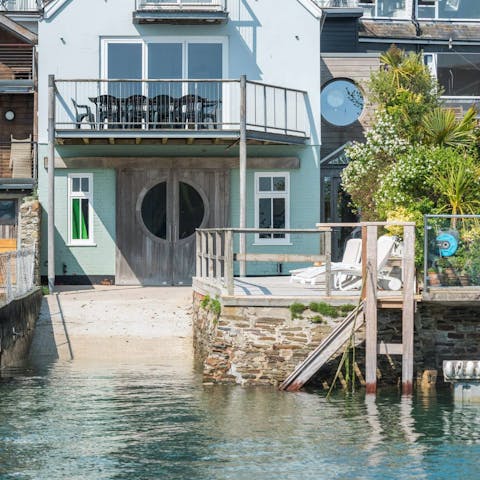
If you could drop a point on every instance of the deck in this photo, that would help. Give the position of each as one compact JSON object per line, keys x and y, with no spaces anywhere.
{"x":278,"y":291}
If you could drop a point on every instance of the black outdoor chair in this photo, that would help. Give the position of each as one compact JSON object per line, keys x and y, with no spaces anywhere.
{"x":161,"y":111}
{"x":210,"y":110}
{"x":81,"y":116}
{"x":136,"y":110}
{"x":108,"y":110}
{"x":189,"y":111}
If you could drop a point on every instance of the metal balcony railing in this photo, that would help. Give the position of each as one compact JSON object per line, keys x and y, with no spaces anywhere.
{"x":337,"y":3}
{"x":22,"y":5}
{"x":194,"y":105}
{"x":180,"y":5}
{"x":16,"y":61}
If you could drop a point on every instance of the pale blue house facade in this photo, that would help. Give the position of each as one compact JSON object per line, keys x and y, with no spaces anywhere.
{"x":147,"y":105}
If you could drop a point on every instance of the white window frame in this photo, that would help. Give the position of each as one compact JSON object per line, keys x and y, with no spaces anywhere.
{"x":72,"y":195}
{"x":432,"y":65}
{"x":184,"y":40}
{"x":435,"y":6}
{"x":368,"y":4}
{"x":272,"y":194}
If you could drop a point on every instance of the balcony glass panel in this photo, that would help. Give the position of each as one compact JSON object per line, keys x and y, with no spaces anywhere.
{"x":459,"y":74}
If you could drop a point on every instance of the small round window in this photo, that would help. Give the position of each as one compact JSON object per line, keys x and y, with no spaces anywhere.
{"x":341,"y":102}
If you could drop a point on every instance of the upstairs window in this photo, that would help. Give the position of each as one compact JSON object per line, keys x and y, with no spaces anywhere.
{"x":272,"y":206}
{"x":457,"y":74}
{"x":80,"y":218}
{"x":448,"y":9}
{"x":384,"y":8}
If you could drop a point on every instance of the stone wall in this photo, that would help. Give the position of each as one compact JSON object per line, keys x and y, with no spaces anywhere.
{"x":17,"y":324}
{"x":262,"y":346}
{"x":253,"y":345}
{"x":30,"y":218}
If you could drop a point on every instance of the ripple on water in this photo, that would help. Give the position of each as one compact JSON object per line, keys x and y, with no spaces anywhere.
{"x":145,"y":422}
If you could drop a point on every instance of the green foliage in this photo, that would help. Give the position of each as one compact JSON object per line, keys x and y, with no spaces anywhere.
{"x":211,"y":305}
{"x":318,"y":319}
{"x":441,"y":127}
{"x":296,"y":310}
{"x":324,"y":309}
{"x":204,"y":303}
{"x":45,"y":290}
{"x":346,"y":308}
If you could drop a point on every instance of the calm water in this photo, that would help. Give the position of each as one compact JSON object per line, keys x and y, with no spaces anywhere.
{"x":71,"y":422}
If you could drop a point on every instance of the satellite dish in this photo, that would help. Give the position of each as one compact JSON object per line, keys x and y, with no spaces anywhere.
{"x":447,"y":243}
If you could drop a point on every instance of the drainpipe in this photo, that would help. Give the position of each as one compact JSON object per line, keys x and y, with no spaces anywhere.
{"x":418,"y":30}
{"x":51,"y":183}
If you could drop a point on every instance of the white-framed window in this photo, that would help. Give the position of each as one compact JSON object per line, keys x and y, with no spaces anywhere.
{"x":272,"y":205}
{"x":459,"y":10}
{"x":384,"y":8}
{"x":457,"y":73}
{"x":80,"y":209}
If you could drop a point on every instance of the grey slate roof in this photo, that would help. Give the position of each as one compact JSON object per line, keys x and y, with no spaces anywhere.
{"x":392,"y":29}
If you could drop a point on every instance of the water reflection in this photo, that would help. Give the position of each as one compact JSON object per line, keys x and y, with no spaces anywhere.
{"x":146,"y":421}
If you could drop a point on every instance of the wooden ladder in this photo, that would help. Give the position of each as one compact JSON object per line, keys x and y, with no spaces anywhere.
{"x":337,"y":338}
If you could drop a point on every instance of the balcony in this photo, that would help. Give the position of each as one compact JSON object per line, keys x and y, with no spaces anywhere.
{"x":17,"y":168}
{"x":16,"y":68}
{"x":18,"y":6}
{"x":371,"y":8}
{"x":189,"y":12}
{"x":177,"y":111}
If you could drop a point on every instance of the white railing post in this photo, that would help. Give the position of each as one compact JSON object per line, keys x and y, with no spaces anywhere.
{"x":228,"y":266}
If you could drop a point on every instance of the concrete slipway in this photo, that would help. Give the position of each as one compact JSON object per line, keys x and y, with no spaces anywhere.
{"x":117,"y":325}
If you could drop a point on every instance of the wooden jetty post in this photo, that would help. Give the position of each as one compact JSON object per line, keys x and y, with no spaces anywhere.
{"x":243,"y":171}
{"x":370,"y":261}
{"x":408,"y":311}
{"x":51,"y":184}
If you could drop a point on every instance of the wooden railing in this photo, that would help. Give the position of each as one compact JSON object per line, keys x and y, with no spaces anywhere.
{"x":215,"y":253}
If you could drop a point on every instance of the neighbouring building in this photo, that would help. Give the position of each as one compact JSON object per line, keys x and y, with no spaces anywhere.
{"x":354,"y":34}
{"x":147,"y":99}
{"x":18,"y":100}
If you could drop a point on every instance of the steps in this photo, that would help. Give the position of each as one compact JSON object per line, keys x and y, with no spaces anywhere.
{"x":329,"y":346}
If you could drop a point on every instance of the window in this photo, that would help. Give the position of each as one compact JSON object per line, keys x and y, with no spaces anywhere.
{"x":272,"y":205}
{"x":457,"y":73}
{"x":341,"y":102}
{"x":448,"y":9}
{"x":8,"y":212}
{"x":80,"y":211}
{"x":384,"y":8}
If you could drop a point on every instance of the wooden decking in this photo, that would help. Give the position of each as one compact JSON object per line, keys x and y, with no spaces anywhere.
{"x":280,"y":291}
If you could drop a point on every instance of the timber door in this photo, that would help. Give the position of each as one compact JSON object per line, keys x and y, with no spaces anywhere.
{"x":158,"y":211}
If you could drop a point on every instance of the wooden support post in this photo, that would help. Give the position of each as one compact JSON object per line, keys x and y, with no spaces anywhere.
{"x":243,"y":170}
{"x":198,"y":257}
{"x":218,"y":254}
{"x":328,"y":262}
{"x":210,"y":255}
{"x":408,"y":312}
{"x":51,"y":183}
{"x":228,"y":262}
{"x":204,"y":255}
{"x":371,"y":308}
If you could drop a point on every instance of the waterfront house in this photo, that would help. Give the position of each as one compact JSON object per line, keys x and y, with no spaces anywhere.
{"x":148,"y":130}
{"x":354,"y":34}
{"x":18,"y":97}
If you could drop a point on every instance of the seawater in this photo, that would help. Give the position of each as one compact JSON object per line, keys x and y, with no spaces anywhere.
{"x":69,"y":421}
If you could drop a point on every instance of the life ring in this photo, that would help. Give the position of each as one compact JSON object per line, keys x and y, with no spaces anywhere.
{"x":447,"y":243}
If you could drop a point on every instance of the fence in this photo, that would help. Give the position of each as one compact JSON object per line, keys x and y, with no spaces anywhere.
{"x":178,"y":104}
{"x":452,"y":251}
{"x":16,"y":274}
{"x":185,"y":4}
{"x":22,"y":5}
{"x":217,"y":252}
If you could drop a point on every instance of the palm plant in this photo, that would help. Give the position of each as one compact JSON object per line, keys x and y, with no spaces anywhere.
{"x":441,"y":127}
